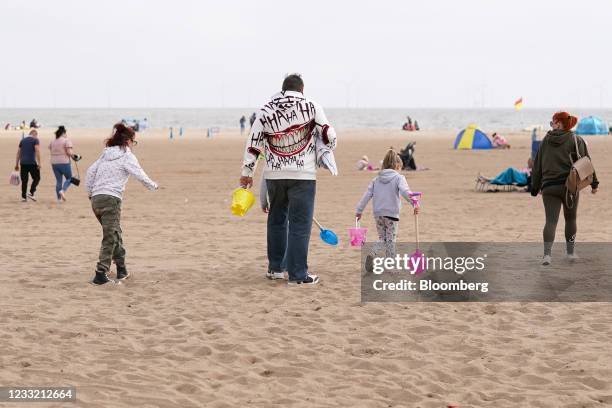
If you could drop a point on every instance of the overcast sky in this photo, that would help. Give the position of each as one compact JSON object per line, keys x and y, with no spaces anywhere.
{"x":383,"y":53}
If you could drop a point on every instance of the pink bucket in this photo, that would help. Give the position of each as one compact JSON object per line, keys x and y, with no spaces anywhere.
{"x":358,"y":235}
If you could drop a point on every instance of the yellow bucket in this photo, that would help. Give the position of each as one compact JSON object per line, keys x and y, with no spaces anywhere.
{"x":242,"y":201}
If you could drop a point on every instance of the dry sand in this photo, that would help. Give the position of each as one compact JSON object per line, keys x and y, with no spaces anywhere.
{"x":199,"y":325}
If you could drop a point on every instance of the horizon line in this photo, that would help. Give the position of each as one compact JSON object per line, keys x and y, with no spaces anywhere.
{"x":326,"y":107}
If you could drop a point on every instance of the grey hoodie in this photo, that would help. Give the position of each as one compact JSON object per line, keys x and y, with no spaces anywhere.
{"x":385,"y":190}
{"x":109,"y":174}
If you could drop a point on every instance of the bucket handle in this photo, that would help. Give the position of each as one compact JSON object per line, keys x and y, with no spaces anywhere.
{"x":357,"y":223}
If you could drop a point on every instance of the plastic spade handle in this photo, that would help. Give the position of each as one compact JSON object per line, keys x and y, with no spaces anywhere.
{"x":416,"y":227}
{"x":317,"y":222}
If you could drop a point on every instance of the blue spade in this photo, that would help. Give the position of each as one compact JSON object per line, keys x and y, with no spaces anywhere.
{"x":328,"y":236}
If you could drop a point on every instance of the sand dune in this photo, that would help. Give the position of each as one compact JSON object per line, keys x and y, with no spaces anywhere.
{"x":199,"y":326}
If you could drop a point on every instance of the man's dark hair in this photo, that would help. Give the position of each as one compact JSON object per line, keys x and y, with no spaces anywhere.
{"x":293,"y":82}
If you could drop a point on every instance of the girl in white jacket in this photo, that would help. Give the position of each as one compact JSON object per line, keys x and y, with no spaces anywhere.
{"x":105,"y":183}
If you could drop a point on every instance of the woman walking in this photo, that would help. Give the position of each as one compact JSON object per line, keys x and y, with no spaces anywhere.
{"x":61,"y":153}
{"x":105,"y":183}
{"x":551,"y":168}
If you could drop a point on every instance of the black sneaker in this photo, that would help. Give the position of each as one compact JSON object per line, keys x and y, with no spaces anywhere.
{"x":100,"y":279}
{"x":122,"y":273}
{"x":310,"y":280}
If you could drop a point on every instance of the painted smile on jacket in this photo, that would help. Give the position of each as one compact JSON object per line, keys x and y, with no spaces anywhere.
{"x":292,"y":140}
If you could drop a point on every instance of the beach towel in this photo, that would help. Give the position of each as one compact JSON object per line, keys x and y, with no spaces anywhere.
{"x":511,"y":176}
{"x":325,"y":156}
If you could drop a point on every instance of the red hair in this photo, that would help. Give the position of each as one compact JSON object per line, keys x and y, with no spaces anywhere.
{"x":121,"y":136}
{"x":567,"y":121}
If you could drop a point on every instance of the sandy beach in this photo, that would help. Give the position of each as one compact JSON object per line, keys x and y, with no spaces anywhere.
{"x":198,"y":325}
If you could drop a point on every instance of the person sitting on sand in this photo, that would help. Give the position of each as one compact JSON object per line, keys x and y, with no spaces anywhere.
{"x":105,"y":183}
{"x":386,"y":191}
{"x":551,"y":168}
{"x":28,"y":159}
{"x":500,"y":142}
{"x":364,"y":164}
{"x":407,"y":156}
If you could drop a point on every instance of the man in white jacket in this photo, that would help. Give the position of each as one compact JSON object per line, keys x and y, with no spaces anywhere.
{"x":105,"y":183}
{"x":284,"y":133}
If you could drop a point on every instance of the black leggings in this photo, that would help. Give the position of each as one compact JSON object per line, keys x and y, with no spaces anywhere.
{"x":554,"y":199}
{"x":27,"y":169}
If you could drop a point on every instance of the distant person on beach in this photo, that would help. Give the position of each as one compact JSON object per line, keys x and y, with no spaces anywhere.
{"x":551,"y":168}
{"x":285,"y":129}
{"x":408,"y":124}
{"x":34,"y":124}
{"x":252,"y":119}
{"x":364,"y":164}
{"x":500,"y":142}
{"x":242,"y":125}
{"x":28,"y":159}
{"x":511,"y":176}
{"x":416,"y":125}
{"x":61,"y":153}
{"x":144,"y":125}
{"x":407,"y":156}
{"x":23,"y":125}
{"x":105,"y":183}
{"x":386,"y":191}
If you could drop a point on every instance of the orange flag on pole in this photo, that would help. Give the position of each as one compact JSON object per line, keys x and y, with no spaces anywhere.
{"x":518,"y":105}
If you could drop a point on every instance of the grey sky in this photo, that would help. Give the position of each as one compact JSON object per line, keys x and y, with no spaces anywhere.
{"x":383,"y":53}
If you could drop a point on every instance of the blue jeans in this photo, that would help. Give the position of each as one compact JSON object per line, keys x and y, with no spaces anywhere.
{"x":61,"y":171}
{"x":289,"y":225}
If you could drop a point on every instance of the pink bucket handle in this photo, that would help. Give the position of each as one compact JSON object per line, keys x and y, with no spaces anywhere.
{"x":415,"y":196}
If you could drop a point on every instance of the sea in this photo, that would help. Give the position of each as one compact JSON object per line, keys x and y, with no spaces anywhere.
{"x":489,"y":119}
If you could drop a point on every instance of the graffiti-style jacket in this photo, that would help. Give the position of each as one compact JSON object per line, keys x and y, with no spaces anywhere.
{"x":284,"y":134}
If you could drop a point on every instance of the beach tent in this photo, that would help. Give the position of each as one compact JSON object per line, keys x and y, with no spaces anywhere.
{"x":472,"y":138}
{"x":592,"y":125}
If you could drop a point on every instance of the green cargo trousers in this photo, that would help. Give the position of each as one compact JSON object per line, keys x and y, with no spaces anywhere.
{"x":108,"y":212}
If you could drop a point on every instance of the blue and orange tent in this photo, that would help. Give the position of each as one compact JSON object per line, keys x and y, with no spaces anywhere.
{"x":472,"y":138}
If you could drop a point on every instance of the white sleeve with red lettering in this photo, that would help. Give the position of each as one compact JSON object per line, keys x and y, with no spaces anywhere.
{"x":254,"y":147}
{"x":326,"y":130}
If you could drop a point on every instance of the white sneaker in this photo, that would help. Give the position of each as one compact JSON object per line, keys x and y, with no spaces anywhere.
{"x":32,"y":196}
{"x":272,"y":275}
{"x":572,"y":257}
{"x":546,"y":260}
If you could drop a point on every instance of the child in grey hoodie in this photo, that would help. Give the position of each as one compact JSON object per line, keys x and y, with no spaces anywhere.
{"x":386,"y":191}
